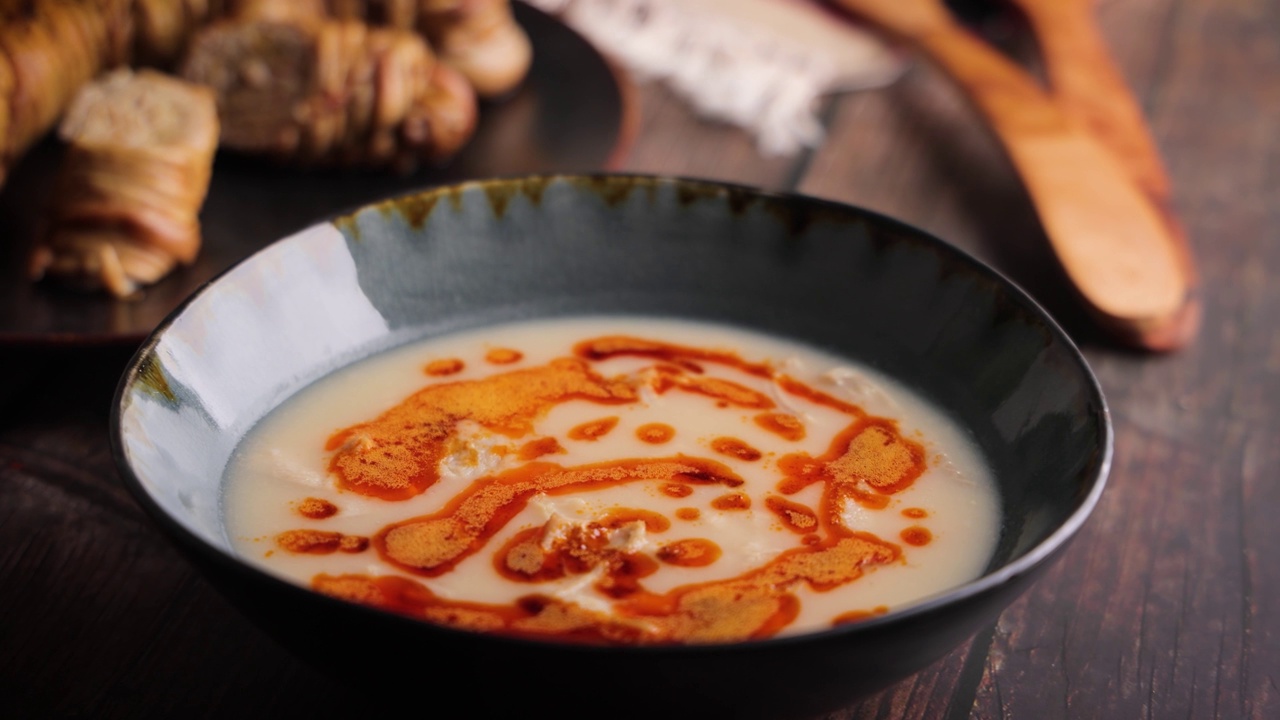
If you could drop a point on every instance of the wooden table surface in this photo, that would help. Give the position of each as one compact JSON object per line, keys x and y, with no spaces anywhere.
{"x":1167,"y":604}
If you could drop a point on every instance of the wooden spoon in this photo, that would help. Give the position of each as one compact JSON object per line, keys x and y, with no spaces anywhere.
{"x":1113,"y":242}
{"x":1087,"y":83}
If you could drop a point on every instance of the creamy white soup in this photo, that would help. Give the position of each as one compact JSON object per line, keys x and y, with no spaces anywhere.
{"x":614,"y":480}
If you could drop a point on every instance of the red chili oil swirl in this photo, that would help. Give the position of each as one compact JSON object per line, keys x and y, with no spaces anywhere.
{"x":593,"y":430}
{"x":503,"y":356}
{"x":655,"y":433}
{"x":735,"y":448}
{"x":396,"y":457}
{"x":316,"y":508}
{"x":443,"y":367}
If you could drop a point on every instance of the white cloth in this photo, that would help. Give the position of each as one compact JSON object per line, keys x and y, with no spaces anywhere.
{"x":758,"y":64}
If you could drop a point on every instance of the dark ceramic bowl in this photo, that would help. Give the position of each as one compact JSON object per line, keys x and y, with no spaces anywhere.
{"x":834,"y":276}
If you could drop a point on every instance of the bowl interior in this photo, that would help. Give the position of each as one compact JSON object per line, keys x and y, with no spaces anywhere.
{"x":835,"y":277}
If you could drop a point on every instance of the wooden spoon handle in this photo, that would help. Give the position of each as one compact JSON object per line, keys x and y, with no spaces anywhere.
{"x":1087,"y":83}
{"x":1111,"y":240}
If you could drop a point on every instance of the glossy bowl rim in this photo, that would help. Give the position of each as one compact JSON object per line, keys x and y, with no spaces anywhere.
{"x":989,"y":581}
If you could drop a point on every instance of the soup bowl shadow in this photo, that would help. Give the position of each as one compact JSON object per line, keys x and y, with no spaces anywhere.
{"x":845,"y":280}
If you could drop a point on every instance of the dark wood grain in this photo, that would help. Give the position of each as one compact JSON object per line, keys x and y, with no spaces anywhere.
{"x":1166,"y":605}
{"x":1185,"y":614}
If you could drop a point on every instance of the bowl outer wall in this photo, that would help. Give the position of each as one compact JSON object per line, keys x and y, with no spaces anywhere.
{"x":843,"y":279}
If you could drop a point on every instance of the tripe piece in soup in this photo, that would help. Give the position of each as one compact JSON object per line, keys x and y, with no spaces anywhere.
{"x":614,"y":480}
